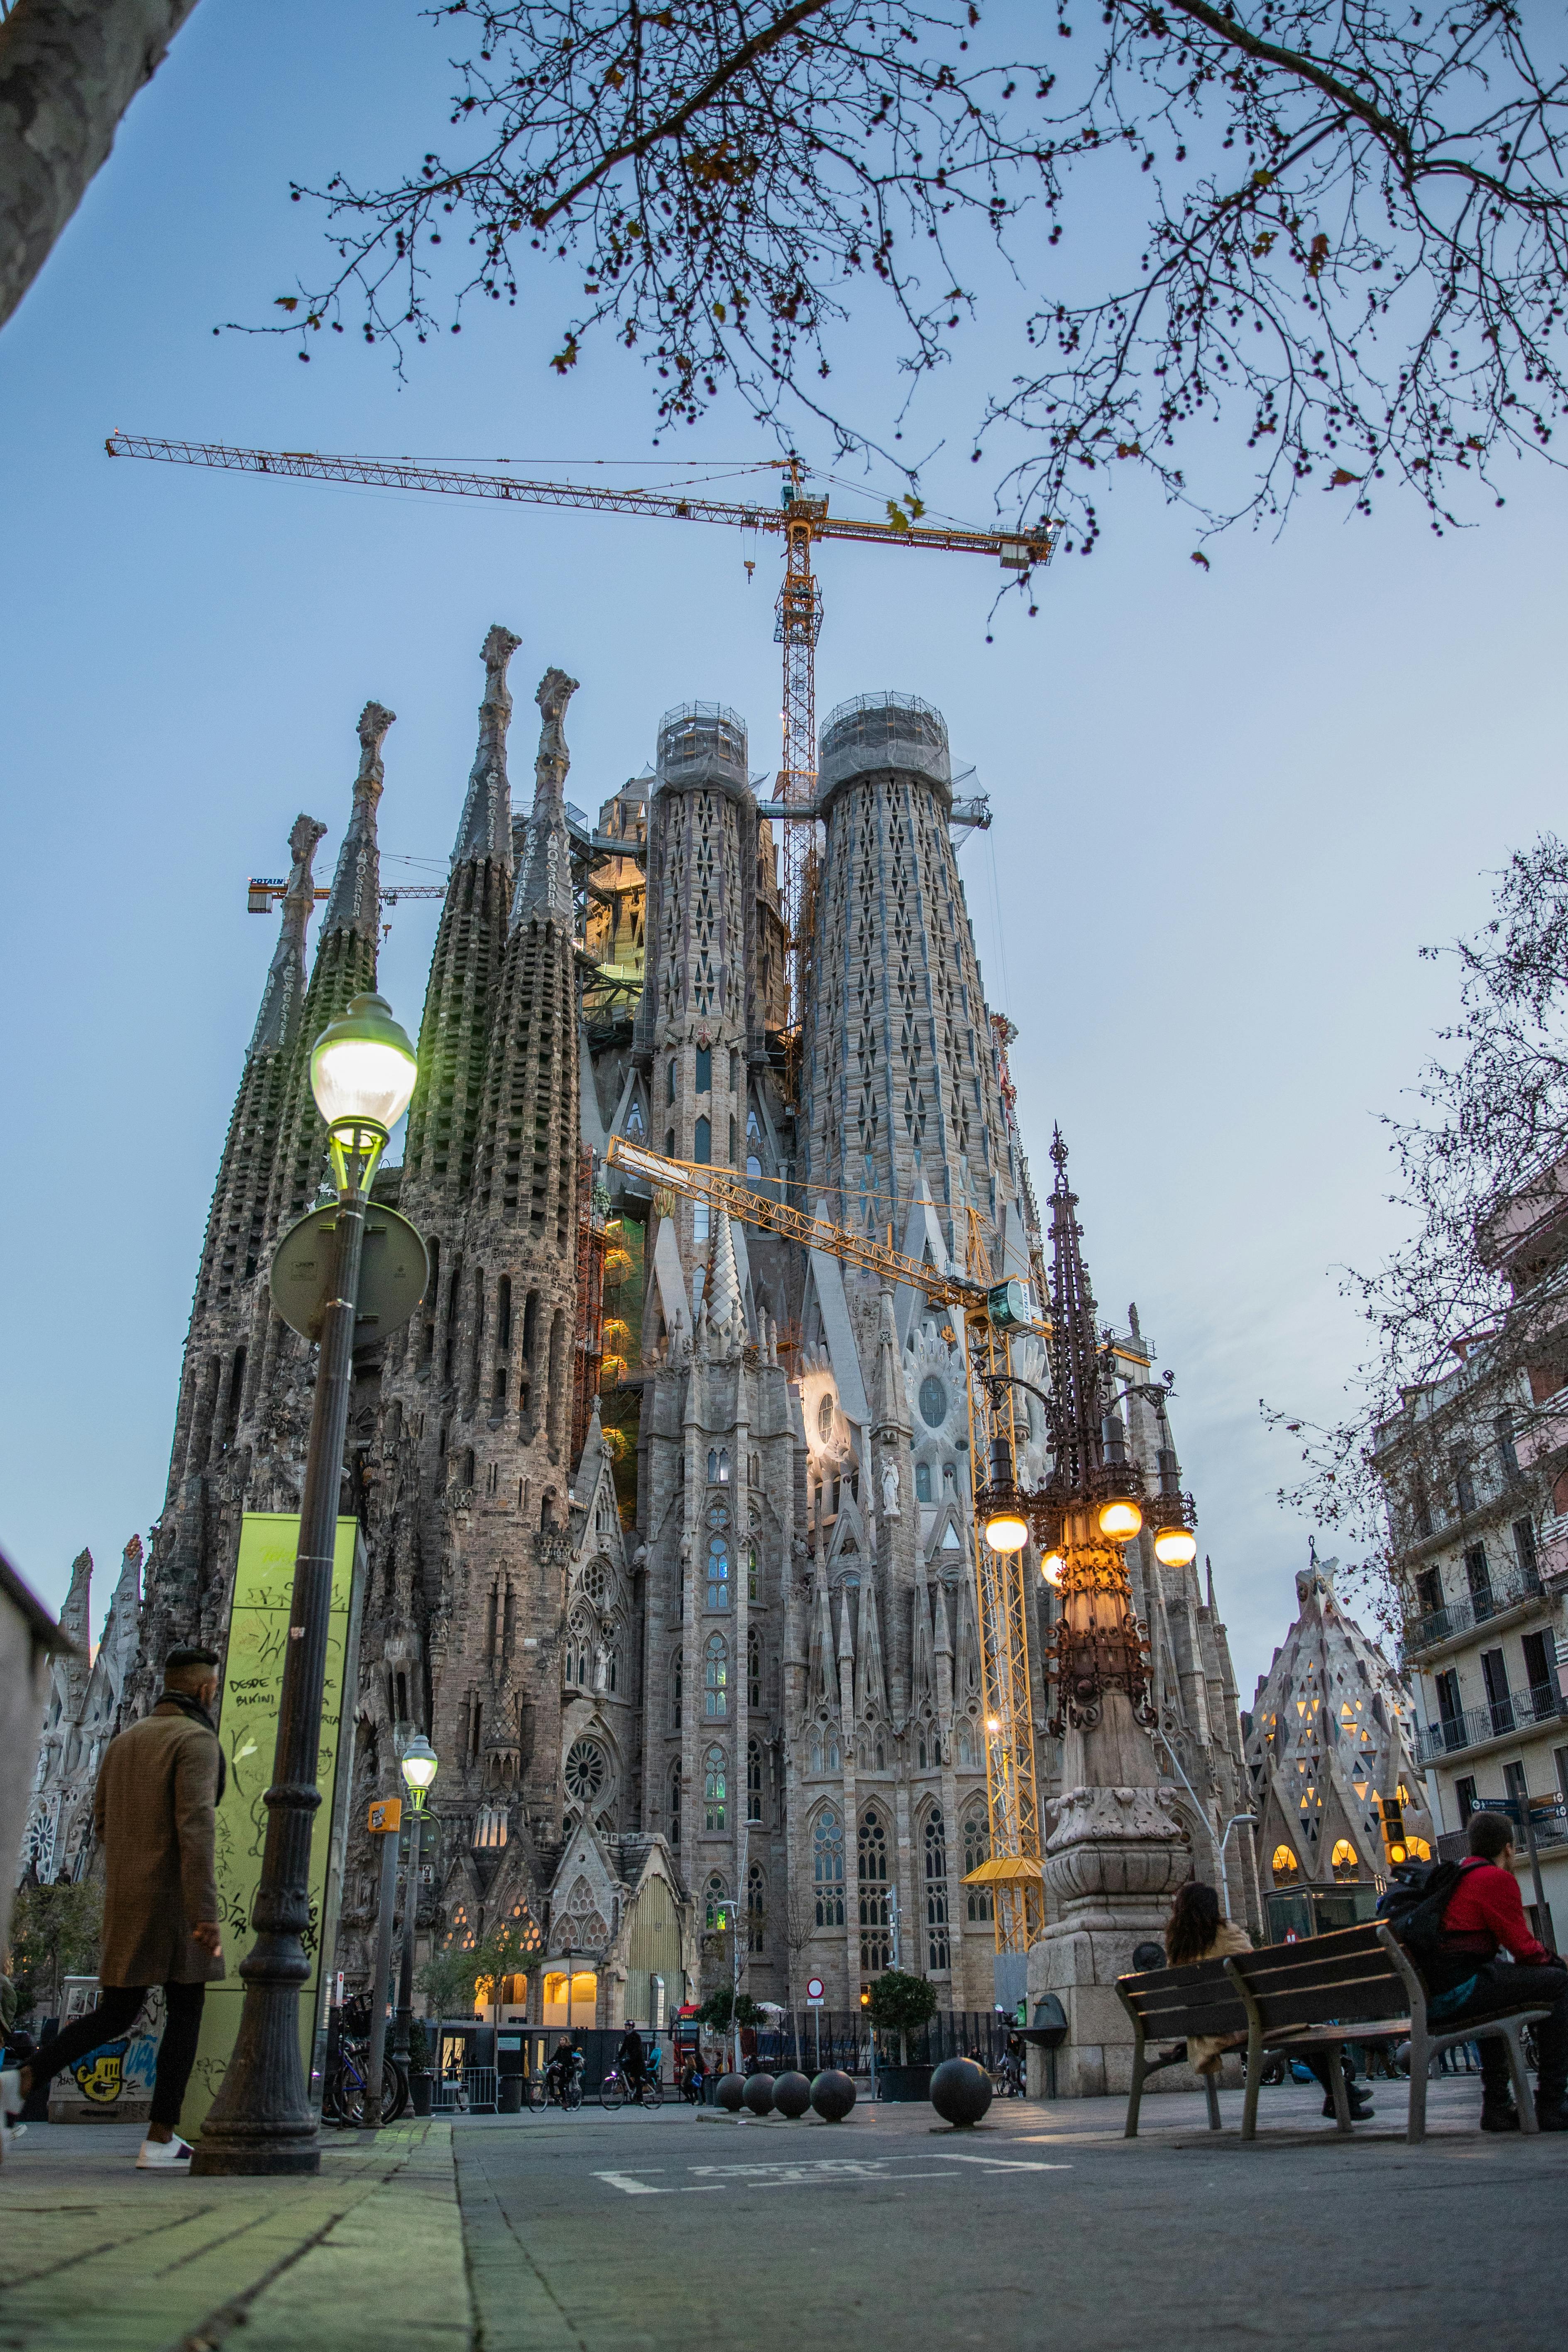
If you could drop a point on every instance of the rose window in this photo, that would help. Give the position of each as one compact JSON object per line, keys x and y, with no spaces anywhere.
{"x":585,"y":1771}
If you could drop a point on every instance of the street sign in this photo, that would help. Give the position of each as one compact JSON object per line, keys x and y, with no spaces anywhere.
{"x":393,"y":1271}
{"x":385,"y":1816}
{"x":813,"y":1989}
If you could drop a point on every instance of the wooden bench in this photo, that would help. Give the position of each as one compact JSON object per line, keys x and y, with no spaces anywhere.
{"x":1356,"y":1985}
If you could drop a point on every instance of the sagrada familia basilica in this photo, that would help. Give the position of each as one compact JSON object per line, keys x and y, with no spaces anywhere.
{"x":667,"y":1522}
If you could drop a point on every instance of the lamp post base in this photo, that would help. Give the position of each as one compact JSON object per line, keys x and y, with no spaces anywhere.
{"x":255,"y":2153}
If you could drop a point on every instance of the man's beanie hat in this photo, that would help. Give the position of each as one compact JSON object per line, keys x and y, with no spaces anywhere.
{"x":185,"y":1656}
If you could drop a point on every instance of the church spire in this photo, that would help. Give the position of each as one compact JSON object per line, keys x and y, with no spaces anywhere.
{"x":466,"y":962}
{"x":544,"y":878}
{"x":283,"y":997}
{"x":1075,"y":1344}
{"x":355,"y":906}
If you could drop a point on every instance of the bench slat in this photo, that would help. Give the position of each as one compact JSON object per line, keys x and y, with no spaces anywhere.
{"x":1331,"y":2003}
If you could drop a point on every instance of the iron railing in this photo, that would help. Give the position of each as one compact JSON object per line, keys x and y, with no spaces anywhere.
{"x":1477,"y":1607}
{"x":1501,"y":1717}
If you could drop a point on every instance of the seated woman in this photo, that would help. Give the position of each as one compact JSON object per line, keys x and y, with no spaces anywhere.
{"x":1196,"y":1932}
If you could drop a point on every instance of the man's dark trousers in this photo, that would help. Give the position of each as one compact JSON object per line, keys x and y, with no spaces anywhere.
{"x":1503,"y":1989}
{"x":115,"y":2015}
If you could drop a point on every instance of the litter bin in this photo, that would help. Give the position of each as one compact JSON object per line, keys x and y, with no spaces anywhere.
{"x":508,"y":2095}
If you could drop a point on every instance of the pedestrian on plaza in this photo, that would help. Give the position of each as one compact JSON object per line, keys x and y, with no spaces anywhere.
{"x":154,"y":1810}
{"x":1198,"y":1932}
{"x":1483,"y":1918}
{"x":7,"y":2007}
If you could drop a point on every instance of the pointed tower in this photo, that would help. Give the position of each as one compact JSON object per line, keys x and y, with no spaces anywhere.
{"x":344,"y":967}
{"x":460,"y":1002}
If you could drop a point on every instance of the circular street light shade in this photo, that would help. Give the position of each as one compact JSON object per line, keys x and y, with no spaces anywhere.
{"x":1175,"y":1546}
{"x":1053,"y":1568}
{"x":363,"y":1066}
{"x":1120,"y":1519}
{"x":1006,"y":1529}
{"x":419,"y":1763}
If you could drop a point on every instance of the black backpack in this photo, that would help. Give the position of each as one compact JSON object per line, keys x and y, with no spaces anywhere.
{"x":1414,"y":1903}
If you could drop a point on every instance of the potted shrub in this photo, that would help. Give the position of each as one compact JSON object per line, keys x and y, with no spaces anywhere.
{"x":902,"y":2004}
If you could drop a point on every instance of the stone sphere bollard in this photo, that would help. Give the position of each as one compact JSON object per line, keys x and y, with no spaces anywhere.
{"x":758,"y":2094}
{"x":791,"y":2096}
{"x":961,"y":2091}
{"x":832,"y":2095}
{"x":729,"y":2093}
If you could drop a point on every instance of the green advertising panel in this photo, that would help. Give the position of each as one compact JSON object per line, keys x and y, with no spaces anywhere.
{"x":247,"y":1727}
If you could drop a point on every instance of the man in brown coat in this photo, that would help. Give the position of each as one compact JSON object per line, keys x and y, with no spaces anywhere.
{"x":154,"y":1810}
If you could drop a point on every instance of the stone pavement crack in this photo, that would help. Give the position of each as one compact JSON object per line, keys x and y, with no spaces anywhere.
{"x":474,"y":2192}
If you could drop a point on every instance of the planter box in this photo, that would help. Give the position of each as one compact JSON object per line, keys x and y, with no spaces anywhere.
{"x":904,"y":2082}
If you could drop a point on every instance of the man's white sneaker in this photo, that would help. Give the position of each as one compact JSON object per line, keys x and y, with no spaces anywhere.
{"x":164,"y":2156}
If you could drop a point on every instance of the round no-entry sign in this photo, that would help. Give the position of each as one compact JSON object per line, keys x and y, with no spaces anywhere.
{"x":813,"y":1988}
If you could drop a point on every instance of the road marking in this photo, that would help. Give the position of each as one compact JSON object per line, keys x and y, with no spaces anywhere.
{"x":803,"y":2173}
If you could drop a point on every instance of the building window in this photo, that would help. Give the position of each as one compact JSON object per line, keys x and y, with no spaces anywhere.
{"x":716,"y":1679}
{"x":718,"y":1572}
{"x":1465,"y":1489}
{"x":1524,"y":1550}
{"x":876,"y":1917}
{"x":938,"y":1951}
{"x":753,"y":1669}
{"x":1343,"y":1860}
{"x":827,"y":1867}
{"x":752,"y":1570}
{"x":1465,"y":1792}
{"x":932,"y":1402}
{"x":1285,"y":1865}
{"x":1478,"y":1577}
{"x":1541,"y":1675}
{"x":716,"y":1906}
{"x":704,"y":1069}
{"x":677,"y":1675}
{"x":753,"y":1779}
{"x":675,"y":1806}
{"x":579,"y":1654}
{"x":586,"y":1773}
{"x":701,"y":1221}
{"x":669,"y":1081}
{"x":702,"y":1146}
{"x":1507,"y":1452}
{"x":714,"y":1804}
{"x":756,"y":1907}
{"x":976,"y":1850}
{"x":922,"y":1482}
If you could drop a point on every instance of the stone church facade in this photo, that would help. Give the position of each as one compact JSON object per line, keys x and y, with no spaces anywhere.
{"x":680,"y":1585}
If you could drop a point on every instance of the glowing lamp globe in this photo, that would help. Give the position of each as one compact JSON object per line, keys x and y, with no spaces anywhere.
{"x":1175,"y":1546}
{"x":1053,"y":1568}
{"x":419,"y":1768}
{"x":1121,"y":1518}
{"x":1006,"y":1528}
{"x":363,"y":1066}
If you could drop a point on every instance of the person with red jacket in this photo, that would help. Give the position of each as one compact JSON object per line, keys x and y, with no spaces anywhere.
{"x":1484,"y":1916}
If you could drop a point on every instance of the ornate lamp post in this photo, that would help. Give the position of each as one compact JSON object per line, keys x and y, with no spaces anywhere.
{"x":419,"y":1768}
{"x":362,"y":1069}
{"x":1094,"y":1502}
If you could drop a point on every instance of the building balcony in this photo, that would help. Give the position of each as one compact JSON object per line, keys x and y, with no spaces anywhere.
{"x":1450,"y":1625}
{"x":1544,"y":1438}
{"x":1501,"y":1720}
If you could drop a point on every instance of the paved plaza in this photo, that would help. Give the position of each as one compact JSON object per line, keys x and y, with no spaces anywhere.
{"x":636,"y":2232}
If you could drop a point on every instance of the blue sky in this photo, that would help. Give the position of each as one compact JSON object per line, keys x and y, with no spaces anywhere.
{"x":1230,"y":807}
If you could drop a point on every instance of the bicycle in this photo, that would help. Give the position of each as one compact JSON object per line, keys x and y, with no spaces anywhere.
{"x":615,"y":2091}
{"x":564,"y":2094}
{"x":1008,"y":2077}
{"x":346,"y":2098}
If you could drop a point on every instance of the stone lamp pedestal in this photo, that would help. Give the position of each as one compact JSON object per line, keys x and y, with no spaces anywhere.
{"x":1115,"y":1856}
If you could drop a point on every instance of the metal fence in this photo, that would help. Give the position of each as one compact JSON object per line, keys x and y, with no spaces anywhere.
{"x":477,"y":2085}
{"x":845,"y":2037}
{"x":1497,"y":1720}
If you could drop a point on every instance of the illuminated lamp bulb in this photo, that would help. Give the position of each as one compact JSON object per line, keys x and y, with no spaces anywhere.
{"x":993,"y":1725}
{"x":1119,"y":1519}
{"x":1053,"y":1568}
{"x":1175,"y":1546}
{"x":1006,"y":1528}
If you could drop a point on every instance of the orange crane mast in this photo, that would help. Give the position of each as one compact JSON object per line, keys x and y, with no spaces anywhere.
{"x":799,"y":521}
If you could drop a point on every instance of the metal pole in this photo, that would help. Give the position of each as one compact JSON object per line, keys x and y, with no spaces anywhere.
{"x":378,"y":1986}
{"x":1540,"y":1911}
{"x":261,"y":2120}
{"x":405,"y":1958}
{"x":1223,"y":1889}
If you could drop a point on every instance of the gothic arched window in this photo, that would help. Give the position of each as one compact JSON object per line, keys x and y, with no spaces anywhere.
{"x":677,"y":1676}
{"x":827,"y":1867}
{"x":753,"y":1779}
{"x":716,"y":1679}
{"x":756,"y":1907}
{"x":675,"y":1806}
{"x":753,"y":1669}
{"x":938,"y":1951}
{"x":976,"y":1850}
{"x":718,"y":1572}
{"x":716,"y":1906}
{"x":702,"y":1148}
{"x":714,"y":1794}
{"x":876,"y":1915}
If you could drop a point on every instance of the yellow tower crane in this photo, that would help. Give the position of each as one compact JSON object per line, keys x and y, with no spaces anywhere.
{"x":799,"y":521}
{"x":994,"y":1314}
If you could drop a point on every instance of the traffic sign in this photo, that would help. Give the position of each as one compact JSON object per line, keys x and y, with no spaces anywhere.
{"x":813,"y":1989}
{"x":385,"y":1815}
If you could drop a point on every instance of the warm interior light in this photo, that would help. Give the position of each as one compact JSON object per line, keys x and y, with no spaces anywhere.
{"x":993,"y":1725}
{"x":1120,"y":1519}
{"x":1053,"y":1568}
{"x":1006,"y":1529}
{"x":363,"y":1066}
{"x":1175,"y":1546}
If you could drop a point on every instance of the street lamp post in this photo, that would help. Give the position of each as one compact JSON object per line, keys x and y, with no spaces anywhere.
{"x":362,"y":1069}
{"x":419,"y":1768}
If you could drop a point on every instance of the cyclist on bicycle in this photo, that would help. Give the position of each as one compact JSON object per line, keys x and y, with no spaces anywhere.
{"x":559,"y":2074}
{"x":631,"y":2057}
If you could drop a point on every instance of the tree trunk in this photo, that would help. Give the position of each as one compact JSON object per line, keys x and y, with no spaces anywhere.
{"x":68,"y":70}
